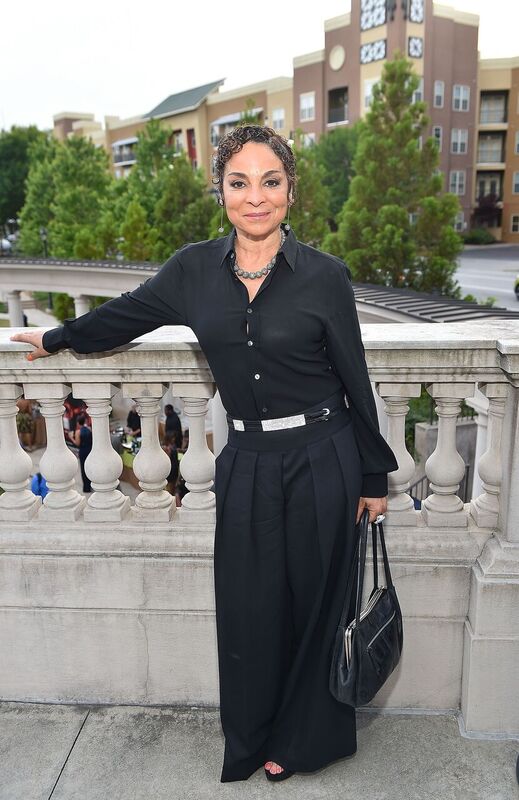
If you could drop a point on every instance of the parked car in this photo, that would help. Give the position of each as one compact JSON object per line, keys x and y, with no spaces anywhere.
{"x":516,"y":287}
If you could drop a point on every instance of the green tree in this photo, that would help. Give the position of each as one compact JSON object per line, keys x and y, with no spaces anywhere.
{"x":155,"y":153}
{"x":40,"y":192}
{"x":335,"y":152}
{"x":311,"y":211}
{"x":396,"y":227}
{"x":138,"y":238}
{"x":81,"y":182}
{"x":184,"y":209}
{"x":15,"y":146}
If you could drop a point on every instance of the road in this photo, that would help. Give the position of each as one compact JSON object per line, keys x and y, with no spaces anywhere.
{"x":490,"y":272}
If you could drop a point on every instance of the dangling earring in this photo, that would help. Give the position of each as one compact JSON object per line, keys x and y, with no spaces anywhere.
{"x":287,"y":225}
{"x":221,"y":228}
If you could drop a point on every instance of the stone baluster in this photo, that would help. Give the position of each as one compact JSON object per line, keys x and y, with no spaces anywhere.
{"x":103,"y":465}
{"x":445,"y":467}
{"x":58,"y":464}
{"x":401,"y":510}
{"x":81,"y":304}
{"x":151,"y":464}
{"x":17,"y":503}
{"x":485,"y":508}
{"x":15,"y":309}
{"x":197,"y":463}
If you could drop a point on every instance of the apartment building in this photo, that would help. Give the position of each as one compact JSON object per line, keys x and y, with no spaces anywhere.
{"x":496,"y":196}
{"x":472,"y":105}
{"x":334,"y":86}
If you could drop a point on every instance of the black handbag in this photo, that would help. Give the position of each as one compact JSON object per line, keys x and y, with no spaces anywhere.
{"x":367,"y":649}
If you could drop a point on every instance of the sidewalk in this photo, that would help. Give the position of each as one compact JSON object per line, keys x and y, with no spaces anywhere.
{"x":72,"y":752}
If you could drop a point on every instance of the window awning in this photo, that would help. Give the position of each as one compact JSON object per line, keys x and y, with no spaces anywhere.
{"x":235,"y":117}
{"x":121,"y":142}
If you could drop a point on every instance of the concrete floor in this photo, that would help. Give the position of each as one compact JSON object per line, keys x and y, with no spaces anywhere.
{"x":67,"y":752}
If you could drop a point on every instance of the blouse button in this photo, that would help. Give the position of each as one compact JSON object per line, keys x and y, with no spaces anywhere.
{"x":250,"y":342}
{"x":264,"y":408}
{"x":249,"y":311}
{"x":257,"y":376}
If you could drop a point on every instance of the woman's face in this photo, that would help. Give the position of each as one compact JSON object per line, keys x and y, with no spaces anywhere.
{"x":255,"y":190}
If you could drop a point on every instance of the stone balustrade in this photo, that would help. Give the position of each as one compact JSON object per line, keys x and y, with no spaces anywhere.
{"x":455,"y":564}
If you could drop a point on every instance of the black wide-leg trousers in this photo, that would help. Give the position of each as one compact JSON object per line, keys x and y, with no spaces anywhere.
{"x":286,"y":503}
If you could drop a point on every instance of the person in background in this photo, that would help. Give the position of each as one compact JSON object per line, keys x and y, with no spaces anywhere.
{"x":39,"y":485}
{"x":82,"y":438}
{"x":133,"y":421}
{"x":170,"y":448}
{"x":173,"y":425}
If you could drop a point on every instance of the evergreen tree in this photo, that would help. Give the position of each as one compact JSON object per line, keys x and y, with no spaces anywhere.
{"x":396,"y":228}
{"x":81,"y":180}
{"x":15,"y":146}
{"x":138,"y":238}
{"x":335,"y":152}
{"x":40,"y":192}
{"x":311,"y":211}
{"x":184,"y":209}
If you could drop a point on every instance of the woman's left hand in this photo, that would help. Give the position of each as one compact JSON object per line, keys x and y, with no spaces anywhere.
{"x":375,"y":506}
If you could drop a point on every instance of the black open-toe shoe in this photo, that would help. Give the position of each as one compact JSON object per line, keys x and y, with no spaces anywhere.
{"x":278,"y":776}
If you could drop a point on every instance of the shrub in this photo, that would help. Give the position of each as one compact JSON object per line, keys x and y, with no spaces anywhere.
{"x":479,"y":236}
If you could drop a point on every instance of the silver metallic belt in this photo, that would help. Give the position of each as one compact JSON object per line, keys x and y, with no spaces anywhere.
{"x":278,"y":423}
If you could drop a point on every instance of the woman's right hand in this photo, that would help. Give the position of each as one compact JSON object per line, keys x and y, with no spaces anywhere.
{"x":34,"y":338}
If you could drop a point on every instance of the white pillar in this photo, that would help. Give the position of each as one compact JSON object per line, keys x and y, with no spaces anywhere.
{"x":480,"y":405}
{"x":401,"y":510}
{"x":484,"y":508}
{"x":197,"y":463}
{"x":151,"y":464}
{"x":17,"y":503}
{"x":58,"y":464}
{"x":14,"y":309}
{"x":81,"y":304}
{"x":103,"y":465}
{"x":445,"y":467}
{"x":220,"y":426}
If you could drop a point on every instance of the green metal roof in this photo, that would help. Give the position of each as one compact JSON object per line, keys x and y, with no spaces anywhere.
{"x":183,"y":101}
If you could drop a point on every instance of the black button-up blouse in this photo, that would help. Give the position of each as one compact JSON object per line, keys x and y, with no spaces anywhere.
{"x":297,"y":342}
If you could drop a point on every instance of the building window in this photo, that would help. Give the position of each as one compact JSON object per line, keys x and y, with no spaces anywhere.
{"x":338,"y":105}
{"x":517,"y":143}
{"x":413,"y":217}
{"x":368,"y":91}
{"x":514,"y":227}
{"x":460,"y":97}
{"x":372,"y":14}
{"x":437,"y":132}
{"x":307,"y":107}
{"x":308,"y":139}
{"x":215,"y":135}
{"x":178,"y":143}
{"x":457,"y":181}
{"x":515,"y":183}
{"x":373,"y":51}
{"x":489,"y":183}
{"x":278,"y":118}
{"x":439,"y":94}
{"x":490,"y":148}
{"x":492,"y":107}
{"x":418,"y":92}
{"x":459,"y":222}
{"x":459,"y":140}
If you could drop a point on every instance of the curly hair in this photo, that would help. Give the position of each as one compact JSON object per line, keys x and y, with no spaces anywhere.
{"x":233,"y":141}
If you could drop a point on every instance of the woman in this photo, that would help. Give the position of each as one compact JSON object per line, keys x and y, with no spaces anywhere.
{"x":277,"y":322}
{"x":82,"y":438}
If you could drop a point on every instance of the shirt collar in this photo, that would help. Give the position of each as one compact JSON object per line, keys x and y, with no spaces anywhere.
{"x":289,"y":248}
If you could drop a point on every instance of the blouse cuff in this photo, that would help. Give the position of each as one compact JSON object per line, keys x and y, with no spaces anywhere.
{"x":54,"y":340}
{"x":374,"y":484}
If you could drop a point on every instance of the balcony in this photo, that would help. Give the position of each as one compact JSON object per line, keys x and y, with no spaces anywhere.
{"x":99,"y":587}
{"x":338,"y":115}
{"x":128,"y":157}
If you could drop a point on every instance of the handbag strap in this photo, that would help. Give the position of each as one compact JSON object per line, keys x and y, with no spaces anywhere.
{"x":389,"y":580}
{"x":363,"y":525}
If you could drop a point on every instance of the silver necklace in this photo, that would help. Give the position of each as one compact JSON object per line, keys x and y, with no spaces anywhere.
{"x":265,"y":270}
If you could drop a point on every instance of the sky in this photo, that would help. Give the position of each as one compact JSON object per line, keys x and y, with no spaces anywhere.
{"x":122,"y":59}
